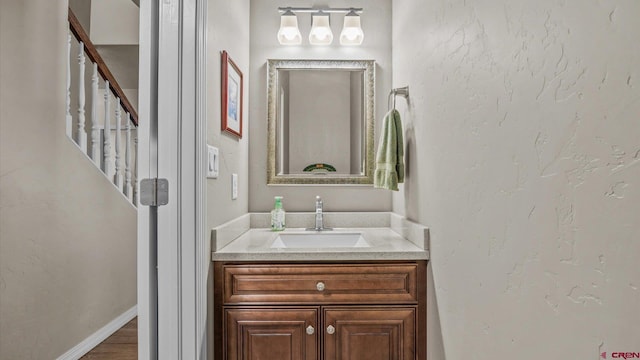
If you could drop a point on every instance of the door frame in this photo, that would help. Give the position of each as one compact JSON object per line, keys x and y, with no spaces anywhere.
{"x":172,"y":261}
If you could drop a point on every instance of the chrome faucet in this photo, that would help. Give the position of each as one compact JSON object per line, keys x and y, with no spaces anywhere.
{"x":319,"y":217}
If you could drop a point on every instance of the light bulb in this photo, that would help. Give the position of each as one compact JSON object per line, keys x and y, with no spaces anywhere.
{"x":322,"y":33}
{"x":350,"y":34}
{"x":289,"y":33}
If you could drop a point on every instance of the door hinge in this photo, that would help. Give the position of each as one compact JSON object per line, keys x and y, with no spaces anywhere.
{"x":154,"y":192}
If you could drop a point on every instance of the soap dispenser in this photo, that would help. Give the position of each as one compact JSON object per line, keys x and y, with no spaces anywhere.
{"x":277,"y":215}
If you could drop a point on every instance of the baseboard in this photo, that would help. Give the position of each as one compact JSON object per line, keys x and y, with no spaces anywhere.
{"x":99,"y":336}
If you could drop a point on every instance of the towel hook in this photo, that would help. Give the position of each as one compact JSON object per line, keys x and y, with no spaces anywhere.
{"x":402,"y":91}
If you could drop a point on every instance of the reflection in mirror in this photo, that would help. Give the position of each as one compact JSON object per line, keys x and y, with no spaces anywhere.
{"x":320,"y":130}
{"x":320,"y":122}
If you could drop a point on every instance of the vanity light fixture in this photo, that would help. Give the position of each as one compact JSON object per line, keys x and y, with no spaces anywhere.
{"x":320,"y":33}
{"x":352,"y":33}
{"x":320,"y":29}
{"x":289,"y":34}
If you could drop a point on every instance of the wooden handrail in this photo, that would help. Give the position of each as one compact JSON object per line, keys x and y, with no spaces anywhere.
{"x":93,"y":54}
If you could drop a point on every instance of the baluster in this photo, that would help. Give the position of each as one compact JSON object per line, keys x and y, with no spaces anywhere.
{"x":69,"y":118}
{"x":117,"y":178}
{"x":82,"y":134}
{"x":95,"y":131}
{"x":107,"y":131}
{"x":128,"y":189}
{"x":135,"y":170}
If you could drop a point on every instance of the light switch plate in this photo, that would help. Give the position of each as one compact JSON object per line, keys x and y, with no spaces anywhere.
{"x":234,"y":186}
{"x":213,"y":162}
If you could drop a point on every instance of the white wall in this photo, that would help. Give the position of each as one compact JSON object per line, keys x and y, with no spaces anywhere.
{"x":67,"y":237}
{"x":114,"y":22}
{"x":524,"y":160}
{"x":82,"y":11}
{"x":265,"y":22}
{"x":228,"y":29}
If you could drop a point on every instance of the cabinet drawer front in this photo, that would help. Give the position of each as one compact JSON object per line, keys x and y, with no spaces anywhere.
{"x":323,"y":283}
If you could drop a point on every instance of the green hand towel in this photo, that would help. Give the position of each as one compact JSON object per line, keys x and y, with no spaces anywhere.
{"x":390,"y":157}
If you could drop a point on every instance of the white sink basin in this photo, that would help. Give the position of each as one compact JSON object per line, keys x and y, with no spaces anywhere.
{"x":329,"y":239}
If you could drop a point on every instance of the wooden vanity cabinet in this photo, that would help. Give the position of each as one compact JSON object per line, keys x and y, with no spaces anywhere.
{"x":312,"y":311}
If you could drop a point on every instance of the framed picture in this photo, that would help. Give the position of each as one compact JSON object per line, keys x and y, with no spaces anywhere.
{"x":232,"y":89}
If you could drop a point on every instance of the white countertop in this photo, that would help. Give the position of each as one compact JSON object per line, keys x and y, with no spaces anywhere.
{"x":385,"y":244}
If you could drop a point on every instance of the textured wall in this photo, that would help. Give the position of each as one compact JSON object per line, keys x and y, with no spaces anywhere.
{"x":67,"y":237}
{"x":265,"y":22}
{"x":523,"y":158}
{"x":228,"y":29}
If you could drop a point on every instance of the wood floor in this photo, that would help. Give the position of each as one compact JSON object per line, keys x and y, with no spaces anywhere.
{"x":122,"y":345}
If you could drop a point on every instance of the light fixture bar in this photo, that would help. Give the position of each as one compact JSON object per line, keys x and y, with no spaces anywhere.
{"x":325,"y":10}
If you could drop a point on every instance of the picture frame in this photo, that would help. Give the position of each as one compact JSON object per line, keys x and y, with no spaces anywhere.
{"x":232,"y":96}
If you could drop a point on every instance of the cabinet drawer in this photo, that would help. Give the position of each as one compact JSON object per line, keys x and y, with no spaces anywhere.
{"x":320,"y":283}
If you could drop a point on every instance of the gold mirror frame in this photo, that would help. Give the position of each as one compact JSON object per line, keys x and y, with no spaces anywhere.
{"x":368,"y":66}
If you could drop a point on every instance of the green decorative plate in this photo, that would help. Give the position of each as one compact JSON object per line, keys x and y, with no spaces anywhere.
{"x":319,"y":167}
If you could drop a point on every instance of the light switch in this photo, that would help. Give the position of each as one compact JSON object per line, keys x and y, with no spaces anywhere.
{"x":213,"y":162}
{"x":234,"y":186}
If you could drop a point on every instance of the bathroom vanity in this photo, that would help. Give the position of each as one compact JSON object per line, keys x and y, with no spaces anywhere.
{"x":278,"y":298}
{"x":320,"y":310}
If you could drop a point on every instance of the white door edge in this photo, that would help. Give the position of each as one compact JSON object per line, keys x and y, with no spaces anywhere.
{"x":178,"y":135}
{"x":203,"y":248}
{"x":147,"y":168}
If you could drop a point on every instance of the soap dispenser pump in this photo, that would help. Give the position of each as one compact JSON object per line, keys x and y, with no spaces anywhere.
{"x":277,"y":215}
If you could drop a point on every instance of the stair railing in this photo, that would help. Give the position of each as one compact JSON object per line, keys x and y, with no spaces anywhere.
{"x":98,"y":147}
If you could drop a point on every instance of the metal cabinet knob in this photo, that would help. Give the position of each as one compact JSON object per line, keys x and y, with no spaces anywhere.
{"x":320,"y":286}
{"x":331,"y":330}
{"x":310,"y":330}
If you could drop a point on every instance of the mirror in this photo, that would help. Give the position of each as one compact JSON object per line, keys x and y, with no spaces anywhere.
{"x":321,"y":121}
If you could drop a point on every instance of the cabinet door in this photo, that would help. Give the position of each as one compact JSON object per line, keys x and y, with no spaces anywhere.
{"x":369,"y":333}
{"x":267,"y":334}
